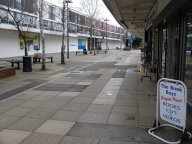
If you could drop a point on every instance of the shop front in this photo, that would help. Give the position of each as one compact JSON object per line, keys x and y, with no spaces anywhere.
{"x":172,"y":37}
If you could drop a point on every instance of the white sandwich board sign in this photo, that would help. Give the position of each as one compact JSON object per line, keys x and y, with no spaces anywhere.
{"x":173,"y":102}
{"x":171,"y":106}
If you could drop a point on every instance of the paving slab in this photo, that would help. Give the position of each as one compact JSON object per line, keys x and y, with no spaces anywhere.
{"x":41,"y":113}
{"x":55,"y":127}
{"x":115,"y":142}
{"x":69,"y":94}
{"x":93,"y":117}
{"x":18,"y":111}
{"x":26,"y":124}
{"x":32,"y":103}
{"x":100,"y":108}
{"x":11,"y":103}
{"x":43,"y":97}
{"x":63,"y":99}
{"x":12,"y":136}
{"x":53,"y":104}
{"x":31,"y":92}
{"x":5,"y":121}
{"x":125,"y":110}
{"x":117,"y":119}
{"x":126,"y":102}
{"x":112,"y":133}
{"x":79,"y":140}
{"x":24,"y":96}
{"x":104,"y":101}
{"x":83,"y":100}
{"x":75,"y":107}
{"x":4,"y":109}
{"x":70,"y":116}
{"x":41,"y":138}
{"x":84,"y":83}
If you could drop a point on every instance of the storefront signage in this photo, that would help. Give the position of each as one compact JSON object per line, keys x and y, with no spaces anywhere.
{"x":172,"y":102}
{"x":171,"y":107}
{"x":81,"y":43}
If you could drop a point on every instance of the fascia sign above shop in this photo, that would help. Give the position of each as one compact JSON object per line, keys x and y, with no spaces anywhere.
{"x":171,"y":107}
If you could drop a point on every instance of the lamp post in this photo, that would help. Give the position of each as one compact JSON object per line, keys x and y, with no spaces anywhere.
{"x":94,"y":38}
{"x":67,"y":2}
{"x":106,"y":20}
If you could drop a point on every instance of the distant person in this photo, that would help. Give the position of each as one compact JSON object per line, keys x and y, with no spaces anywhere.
{"x":37,"y":57}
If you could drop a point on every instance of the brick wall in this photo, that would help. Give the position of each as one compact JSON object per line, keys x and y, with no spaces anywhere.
{"x":6,"y":72}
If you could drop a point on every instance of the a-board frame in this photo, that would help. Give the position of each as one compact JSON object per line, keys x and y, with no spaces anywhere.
{"x":171,"y":106}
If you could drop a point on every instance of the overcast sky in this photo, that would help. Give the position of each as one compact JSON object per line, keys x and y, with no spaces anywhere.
{"x":76,"y":6}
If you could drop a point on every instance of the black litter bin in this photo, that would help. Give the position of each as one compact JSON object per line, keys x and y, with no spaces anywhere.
{"x":27,"y":64}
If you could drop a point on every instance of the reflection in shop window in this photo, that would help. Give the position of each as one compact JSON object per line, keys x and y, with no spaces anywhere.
{"x":188,"y":67}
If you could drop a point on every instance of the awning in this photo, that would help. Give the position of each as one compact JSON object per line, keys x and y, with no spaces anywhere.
{"x":131,"y":14}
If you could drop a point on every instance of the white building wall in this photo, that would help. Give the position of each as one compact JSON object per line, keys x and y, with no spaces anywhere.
{"x":113,"y":44}
{"x":9,"y":44}
{"x":52,"y":43}
{"x":73,"y":44}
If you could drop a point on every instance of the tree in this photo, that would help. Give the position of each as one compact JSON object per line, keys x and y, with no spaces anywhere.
{"x":63,"y":33}
{"x":63,"y":15}
{"x":91,"y":9}
{"x":18,"y":18}
{"x":40,"y":11}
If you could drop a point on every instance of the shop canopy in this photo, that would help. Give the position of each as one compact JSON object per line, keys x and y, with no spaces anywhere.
{"x":131,"y":14}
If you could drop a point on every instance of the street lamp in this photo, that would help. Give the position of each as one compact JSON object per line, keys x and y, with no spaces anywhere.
{"x":94,"y":38}
{"x":67,"y":2}
{"x":106,"y":20}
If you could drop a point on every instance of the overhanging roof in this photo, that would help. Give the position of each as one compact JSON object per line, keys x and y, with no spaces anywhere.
{"x":131,"y":14}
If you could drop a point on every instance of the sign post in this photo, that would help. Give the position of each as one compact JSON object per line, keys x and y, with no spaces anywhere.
{"x":171,"y":106}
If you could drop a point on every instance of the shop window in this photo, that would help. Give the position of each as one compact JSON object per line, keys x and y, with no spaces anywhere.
{"x":188,"y":66}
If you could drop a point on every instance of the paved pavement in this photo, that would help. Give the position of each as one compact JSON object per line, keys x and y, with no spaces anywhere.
{"x":89,"y":100}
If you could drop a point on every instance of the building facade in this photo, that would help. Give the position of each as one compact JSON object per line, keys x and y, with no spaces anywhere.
{"x":77,"y":28}
{"x":170,"y":33}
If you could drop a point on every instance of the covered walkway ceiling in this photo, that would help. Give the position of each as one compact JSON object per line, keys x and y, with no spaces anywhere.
{"x":131,"y":14}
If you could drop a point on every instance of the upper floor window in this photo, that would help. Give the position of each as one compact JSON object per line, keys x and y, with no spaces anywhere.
{"x":18,"y":4}
{"x":81,"y":20}
{"x":51,"y":13}
{"x":72,"y":17}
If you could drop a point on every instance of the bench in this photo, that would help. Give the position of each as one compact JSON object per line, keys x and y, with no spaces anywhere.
{"x":15,"y":62}
{"x":35,"y":59}
{"x":105,"y":51}
{"x":49,"y":57}
{"x":84,"y":52}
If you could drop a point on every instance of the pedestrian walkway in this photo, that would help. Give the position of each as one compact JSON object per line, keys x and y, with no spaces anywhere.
{"x":90,"y":100}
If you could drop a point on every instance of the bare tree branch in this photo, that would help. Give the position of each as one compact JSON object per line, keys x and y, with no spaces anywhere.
{"x":91,"y":9}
